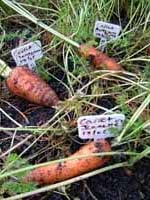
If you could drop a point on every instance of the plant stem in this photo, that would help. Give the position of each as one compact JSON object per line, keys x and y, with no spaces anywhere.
{"x":6,"y":174}
{"x":135,"y":116}
{"x":70,"y":181}
{"x":4,"y":69}
{"x":22,"y":11}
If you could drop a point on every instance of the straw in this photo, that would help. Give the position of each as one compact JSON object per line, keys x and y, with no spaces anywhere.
{"x":23,"y":12}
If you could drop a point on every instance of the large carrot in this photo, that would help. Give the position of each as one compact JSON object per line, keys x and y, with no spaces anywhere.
{"x":61,"y":171}
{"x":22,"y":82}
{"x":99,"y":60}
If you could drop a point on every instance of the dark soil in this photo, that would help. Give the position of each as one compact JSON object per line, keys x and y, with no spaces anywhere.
{"x":119,"y":184}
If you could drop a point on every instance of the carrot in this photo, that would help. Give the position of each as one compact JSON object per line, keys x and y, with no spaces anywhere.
{"x":26,"y":84}
{"x":61,"y":171}
{"x":99,"y":60}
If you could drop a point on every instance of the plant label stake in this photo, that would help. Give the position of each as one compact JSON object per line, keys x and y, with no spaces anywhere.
{"x":100,"y":126}
{"x":28,"y":54}
{"x":99,"y":59}
{"x":106,"y":32}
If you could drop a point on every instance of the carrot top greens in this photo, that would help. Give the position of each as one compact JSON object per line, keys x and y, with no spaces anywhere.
{"x":40,"y":134}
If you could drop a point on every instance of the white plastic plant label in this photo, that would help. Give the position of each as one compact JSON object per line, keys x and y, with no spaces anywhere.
{"x":28,"y":54}
{"x":100,"y":126}
{"x":106,"y":32}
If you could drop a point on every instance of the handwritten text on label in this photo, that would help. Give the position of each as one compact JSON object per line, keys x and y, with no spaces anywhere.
{"x":27,"y":54}
{"x":98,"y":126}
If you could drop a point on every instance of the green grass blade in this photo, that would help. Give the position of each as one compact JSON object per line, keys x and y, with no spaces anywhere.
{"x":136,"y":115}
{"x":22,"y":11}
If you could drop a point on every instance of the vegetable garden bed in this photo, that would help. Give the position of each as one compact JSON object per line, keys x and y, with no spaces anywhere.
{"x":32,"y":134}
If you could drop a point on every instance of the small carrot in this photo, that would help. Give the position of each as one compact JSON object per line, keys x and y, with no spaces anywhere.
{"x":28,"y":85}
{"x":61,"y":171}
{"x":99,"y":60}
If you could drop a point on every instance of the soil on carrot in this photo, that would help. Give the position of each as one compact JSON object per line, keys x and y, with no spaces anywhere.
{"x":119,"y":184}
{"x":131,"y":184}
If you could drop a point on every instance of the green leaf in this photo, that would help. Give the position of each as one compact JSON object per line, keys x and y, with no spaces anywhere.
{"x":16,"y":163}
{"x":17,"y":188}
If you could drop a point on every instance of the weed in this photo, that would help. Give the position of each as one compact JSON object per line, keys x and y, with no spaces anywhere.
{"x":10,"y":186}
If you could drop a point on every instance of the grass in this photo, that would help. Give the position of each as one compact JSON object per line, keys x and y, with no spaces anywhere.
{"x":130,"y":89}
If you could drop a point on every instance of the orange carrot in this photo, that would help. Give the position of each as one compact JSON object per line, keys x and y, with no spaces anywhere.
{"x":61,"y":171}
{"x":26,"y":84}
{"x":99,"y":60}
